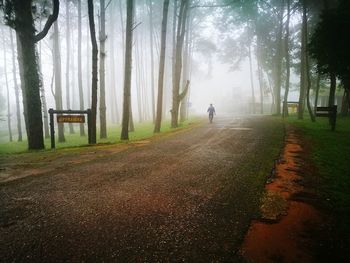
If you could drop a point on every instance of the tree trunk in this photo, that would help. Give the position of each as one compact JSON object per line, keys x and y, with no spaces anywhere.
{"x":131,"y":119}
{"x":317,"y":90}
{"x":43,"y":96}
{"x":307,"y":68}
{"x":251,"y":80}
{"x":173,"y":55}
{"x":178,"y":62}
{"x":21,"y":75}
{"x":302,"y":69}
{"x":26,"y":41}
{"x":260,"y":77}
{"x":32,"y":92}
{"x":103,"y":37}
{"x":123,"y":30}
{"x":7,"y":88}
{"x":144,"y":81}
{"x":71,"y":130}
{"x":174,"y":38}
{"x":58,"y":79}
{"x":278,"y":62}
{"x":113,"y":98}
{"x":94,"y":71}
{"x":88,"y":72}
{"x":286,"y":45}
{"x":185,"y":72}
{"x":190,"y":64}
{"x":80,"y":80}
{"x":18,"y":107}
{"x":271,"y":91}
{"x":138,"y":81}
{"x":127,"y":71}
{"x":158,"y":120}
{"x":345,"y":103}
{"x":152,"y":58}
{"x":332,"y":89}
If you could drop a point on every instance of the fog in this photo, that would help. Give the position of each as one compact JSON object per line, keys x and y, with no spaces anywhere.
{"x":213,"y":78}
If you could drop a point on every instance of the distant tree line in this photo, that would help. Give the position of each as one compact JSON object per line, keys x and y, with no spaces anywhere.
{"x":313,"y":44}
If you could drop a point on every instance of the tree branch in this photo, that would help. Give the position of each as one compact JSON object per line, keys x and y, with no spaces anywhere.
{"x":52,"y":18}
{"x":108,"y":4}
{"x":182,"y":95}
{"x":136,"y":26}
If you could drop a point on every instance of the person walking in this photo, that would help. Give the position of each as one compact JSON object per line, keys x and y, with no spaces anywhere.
{"x":211,"y":111}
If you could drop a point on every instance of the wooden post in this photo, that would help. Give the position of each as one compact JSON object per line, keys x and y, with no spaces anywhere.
{"x":52,"y":129}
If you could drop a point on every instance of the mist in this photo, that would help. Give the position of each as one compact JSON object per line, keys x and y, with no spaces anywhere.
{"x":227,"y":61}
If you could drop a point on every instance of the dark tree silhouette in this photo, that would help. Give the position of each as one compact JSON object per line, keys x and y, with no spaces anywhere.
{"x":94,"y":72}
{"x":18,"y":15}
{"x":180,"y":35}
{"x":102,"y":38}
{"x":127,"y":71}
{"x":329,"y":46}
{"x":158,"y":120}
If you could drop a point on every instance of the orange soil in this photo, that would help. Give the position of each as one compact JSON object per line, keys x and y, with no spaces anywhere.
{"x":289,"y":237}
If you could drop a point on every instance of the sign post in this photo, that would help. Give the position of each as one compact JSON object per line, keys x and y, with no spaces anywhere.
{"x":69,"y":118}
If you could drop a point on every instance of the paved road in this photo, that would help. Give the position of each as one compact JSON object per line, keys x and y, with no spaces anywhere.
{"x":189,"y":196}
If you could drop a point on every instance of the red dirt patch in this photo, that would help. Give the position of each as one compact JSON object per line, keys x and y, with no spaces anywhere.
{"x":285,"y":233}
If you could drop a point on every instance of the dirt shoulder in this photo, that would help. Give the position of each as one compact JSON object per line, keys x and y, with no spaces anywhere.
{"x":186,"y":197}
{"x":294,"y":225}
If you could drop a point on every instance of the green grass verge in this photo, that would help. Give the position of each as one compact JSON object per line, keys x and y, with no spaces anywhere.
{"x":331,"y":155}
{"x":142,"y":131}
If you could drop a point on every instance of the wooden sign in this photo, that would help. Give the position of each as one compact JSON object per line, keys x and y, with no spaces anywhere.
{"x":71,"y":118}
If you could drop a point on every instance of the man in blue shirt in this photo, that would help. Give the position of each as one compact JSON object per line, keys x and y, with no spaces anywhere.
{"x":211,"y":111}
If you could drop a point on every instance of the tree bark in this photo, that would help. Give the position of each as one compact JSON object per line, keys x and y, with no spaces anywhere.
{"x":128,"y":70}
{"x":7,"y":88}
{"x":185,"y":71}
{"x":123,"y":31}
{"x":317,"y":90}
{"x":251,"y":79}
{"x":58,"y":79}
{"x":131,"y":119}
{"x":286,"y":46}
{"x":332,"y":89}
{"x":71,"y":130}
{"x":138,"y":80}
{"x":88,"y":65}
{"x":18,"y":107}
{"x":80,"y":81}
{"x":302,"y":68}
{"x":24,"y":25}
{"x":94,"y":71}
{"x":345,"y":103}
{"x":152,"y":58}
{"x":103,"y":37}
{"x":278,"y":62}
{"x":43,"y":96}
{"x":113,"y":98}
{"x":181,"y":27}
{"x":260,"y":77}
{"x":21,"y":75}
{"x":307,"y":68}
{"x":173,"y":56}
{"x":158,"y":120}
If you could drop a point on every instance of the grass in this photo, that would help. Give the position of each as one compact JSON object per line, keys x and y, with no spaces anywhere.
{"x":142,"y":131}
{"x":331,"y":155}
